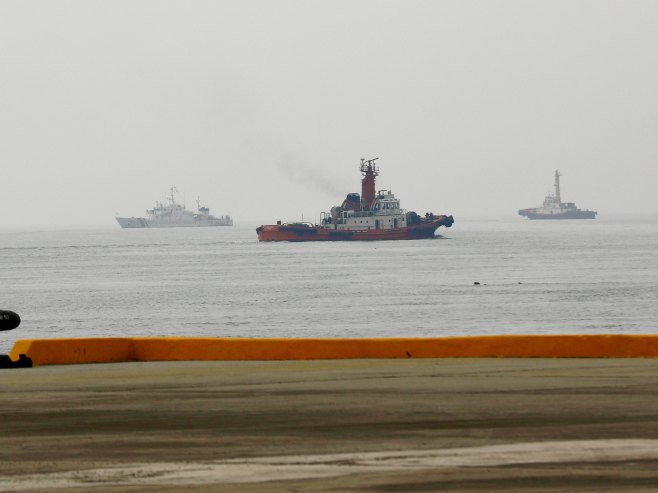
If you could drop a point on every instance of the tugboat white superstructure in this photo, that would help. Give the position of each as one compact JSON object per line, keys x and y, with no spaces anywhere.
{"x":173,"y":215}
{"x":369,"y":216}
{"x":554,"y":208}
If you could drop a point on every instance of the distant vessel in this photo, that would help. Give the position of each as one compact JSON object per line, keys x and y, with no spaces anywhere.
{"x":174,"y":215}
{"x":554,"y":208}
{"x":369,"y":216}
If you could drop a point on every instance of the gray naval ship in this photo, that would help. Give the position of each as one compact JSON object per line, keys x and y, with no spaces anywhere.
{"x":174,"y":215}
{"x":554,"y":208}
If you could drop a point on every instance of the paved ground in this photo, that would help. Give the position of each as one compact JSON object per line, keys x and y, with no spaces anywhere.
{"x":322,"y":426}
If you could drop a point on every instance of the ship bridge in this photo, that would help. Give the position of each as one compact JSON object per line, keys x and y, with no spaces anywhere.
{"x":385,"y":201}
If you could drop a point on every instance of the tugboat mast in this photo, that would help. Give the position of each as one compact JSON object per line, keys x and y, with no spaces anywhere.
{"x":557,"y":187}
{"x":370,"y":172}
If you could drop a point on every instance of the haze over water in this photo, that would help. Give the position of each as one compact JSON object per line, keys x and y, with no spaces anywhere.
{"x":540,"y":277}
{"x":264,"y":109}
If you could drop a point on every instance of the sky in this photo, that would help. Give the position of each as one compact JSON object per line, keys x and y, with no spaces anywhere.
{"x":264,"y":109}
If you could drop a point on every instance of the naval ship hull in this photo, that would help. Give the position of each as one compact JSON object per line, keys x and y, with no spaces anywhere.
{"x":306,"y":232}
{"x":532,"y":214}
{"x":140,"y":222}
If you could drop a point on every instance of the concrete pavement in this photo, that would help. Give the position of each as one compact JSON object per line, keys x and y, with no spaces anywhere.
{"x":340,"y":425}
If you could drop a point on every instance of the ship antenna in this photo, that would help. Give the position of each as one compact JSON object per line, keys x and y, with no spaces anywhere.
{"x":557,"y":187}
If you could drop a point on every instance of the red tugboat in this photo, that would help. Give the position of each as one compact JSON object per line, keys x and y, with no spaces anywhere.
{"x":369,"y":216}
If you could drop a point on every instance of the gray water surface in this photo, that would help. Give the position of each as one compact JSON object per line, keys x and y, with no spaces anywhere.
{"x":587,"y":276}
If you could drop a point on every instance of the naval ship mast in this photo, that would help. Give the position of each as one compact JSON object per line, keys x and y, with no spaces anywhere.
{"x":171,"y":191}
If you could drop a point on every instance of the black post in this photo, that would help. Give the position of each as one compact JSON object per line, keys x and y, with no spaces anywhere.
{"x":9,"y":320}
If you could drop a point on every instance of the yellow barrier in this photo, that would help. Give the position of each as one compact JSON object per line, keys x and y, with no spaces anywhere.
{"x":71,"y":351}
{"x":109,"y":350}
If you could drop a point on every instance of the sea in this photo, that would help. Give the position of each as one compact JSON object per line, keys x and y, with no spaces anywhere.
{"x":483,"y":276}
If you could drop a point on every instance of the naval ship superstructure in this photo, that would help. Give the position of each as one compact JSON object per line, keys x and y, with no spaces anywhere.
{"x":554,"y":208}
{"x":171,"y":214}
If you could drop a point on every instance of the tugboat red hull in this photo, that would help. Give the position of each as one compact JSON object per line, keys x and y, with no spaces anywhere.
{"x":306,"y":232}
